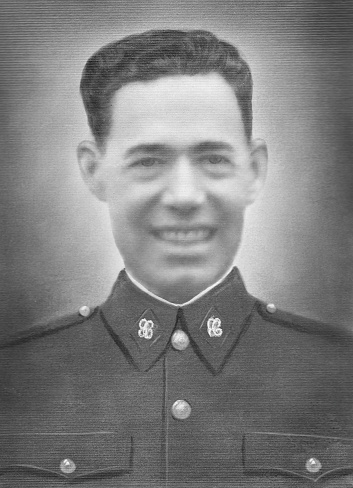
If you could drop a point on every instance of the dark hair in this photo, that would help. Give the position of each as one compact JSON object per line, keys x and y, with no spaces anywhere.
{"x":152,"y":55}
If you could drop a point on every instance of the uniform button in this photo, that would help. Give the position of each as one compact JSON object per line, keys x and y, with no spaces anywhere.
{"x":180,"y":340}
{"x":84,"y":311}
{"x":313,"y":465}
{"x":271,"y":308}
{"x":67,"y":466}
{"x":181,"y":410}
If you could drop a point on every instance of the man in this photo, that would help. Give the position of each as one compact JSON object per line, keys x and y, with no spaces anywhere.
{"x":180,"y":378}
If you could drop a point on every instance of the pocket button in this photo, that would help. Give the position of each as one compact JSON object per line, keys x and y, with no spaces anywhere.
{"x":313,"y":465}
{"x":67,"y":466}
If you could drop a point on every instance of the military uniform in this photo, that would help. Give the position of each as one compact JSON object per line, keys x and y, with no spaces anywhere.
{"x":224,"y":392}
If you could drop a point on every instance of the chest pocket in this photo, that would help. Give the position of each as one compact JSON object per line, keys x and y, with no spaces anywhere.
{"x":69,"y":456}
{"x":304,"y":456}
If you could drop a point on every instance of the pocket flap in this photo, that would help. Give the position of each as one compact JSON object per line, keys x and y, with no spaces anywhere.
{"x":307,"y":456}
{"x":67,"y":455}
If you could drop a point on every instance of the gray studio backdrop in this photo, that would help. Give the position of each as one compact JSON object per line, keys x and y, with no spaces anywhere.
{"x":58,"y":253}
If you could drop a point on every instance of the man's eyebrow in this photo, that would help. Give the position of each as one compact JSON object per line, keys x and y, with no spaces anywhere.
{"x":201,"y":147}
{"x":146,"y":149}
{"x":212,"y":146}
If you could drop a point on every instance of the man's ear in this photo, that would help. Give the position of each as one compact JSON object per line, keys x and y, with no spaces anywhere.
{"x":258,"y":161}
{"x":90,"y":163}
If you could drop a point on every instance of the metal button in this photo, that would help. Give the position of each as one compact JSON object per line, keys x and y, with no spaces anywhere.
{"x":313,"y":465}
{"x":181,"y":410}
{"x":84,"y":311}
{"x":180,"y":340}
{"x":271,"y":308}
{"x":67,"y":466}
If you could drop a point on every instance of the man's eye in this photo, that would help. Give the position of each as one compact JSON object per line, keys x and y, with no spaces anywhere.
{"x":216,"y":159}
{"x":148,"y":162}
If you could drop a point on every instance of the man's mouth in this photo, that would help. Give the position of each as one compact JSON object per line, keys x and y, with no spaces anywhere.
{"x":186,"y":236}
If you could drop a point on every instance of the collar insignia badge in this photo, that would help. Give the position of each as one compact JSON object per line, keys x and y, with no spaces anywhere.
{"x":214,"y":328}
{"x":146,"y":329}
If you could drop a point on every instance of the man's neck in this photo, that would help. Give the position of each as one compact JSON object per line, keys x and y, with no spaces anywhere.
{"x":193,"y":299}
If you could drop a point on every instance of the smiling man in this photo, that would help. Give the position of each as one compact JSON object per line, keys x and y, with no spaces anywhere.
{"x":181,"y":378}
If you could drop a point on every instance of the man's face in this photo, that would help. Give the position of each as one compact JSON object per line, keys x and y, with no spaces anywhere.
{"x":177,"y":174}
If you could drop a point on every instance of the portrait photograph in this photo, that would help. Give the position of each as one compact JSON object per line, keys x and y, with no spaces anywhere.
{"x":177,"y":244}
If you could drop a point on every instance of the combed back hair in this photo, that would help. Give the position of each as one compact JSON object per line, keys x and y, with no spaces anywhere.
{"x":155,"y":54}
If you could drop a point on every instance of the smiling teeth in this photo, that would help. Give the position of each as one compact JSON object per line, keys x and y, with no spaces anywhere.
{"x":184,"y":235}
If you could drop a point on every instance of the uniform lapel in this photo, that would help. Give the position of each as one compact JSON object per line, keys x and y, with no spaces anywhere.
{"x":216,"y":322}
{"x":139,"y":324}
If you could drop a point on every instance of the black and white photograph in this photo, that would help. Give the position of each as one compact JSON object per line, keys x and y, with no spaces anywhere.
{"x":177,"y":244}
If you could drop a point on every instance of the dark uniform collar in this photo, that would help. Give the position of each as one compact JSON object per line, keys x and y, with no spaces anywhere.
{"x":142,"y":325}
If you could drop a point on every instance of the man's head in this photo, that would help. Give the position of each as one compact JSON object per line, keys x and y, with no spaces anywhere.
{"x":173,"y":157}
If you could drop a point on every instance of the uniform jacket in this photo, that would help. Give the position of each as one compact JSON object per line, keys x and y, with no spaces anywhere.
{"x":224,"y":392}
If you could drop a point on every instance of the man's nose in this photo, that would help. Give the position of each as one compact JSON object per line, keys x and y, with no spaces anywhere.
{"x":184,"y":188}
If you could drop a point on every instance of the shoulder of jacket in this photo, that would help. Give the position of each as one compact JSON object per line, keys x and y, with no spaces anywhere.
{"x":334,"y":333}
{"x":51,"y":327}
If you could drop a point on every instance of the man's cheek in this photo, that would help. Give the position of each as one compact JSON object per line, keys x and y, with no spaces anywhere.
{"x":231,"y":213}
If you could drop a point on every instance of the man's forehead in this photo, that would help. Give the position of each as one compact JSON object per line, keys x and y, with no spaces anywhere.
{"x":201,"y":91}
{"x":201,"y":108}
